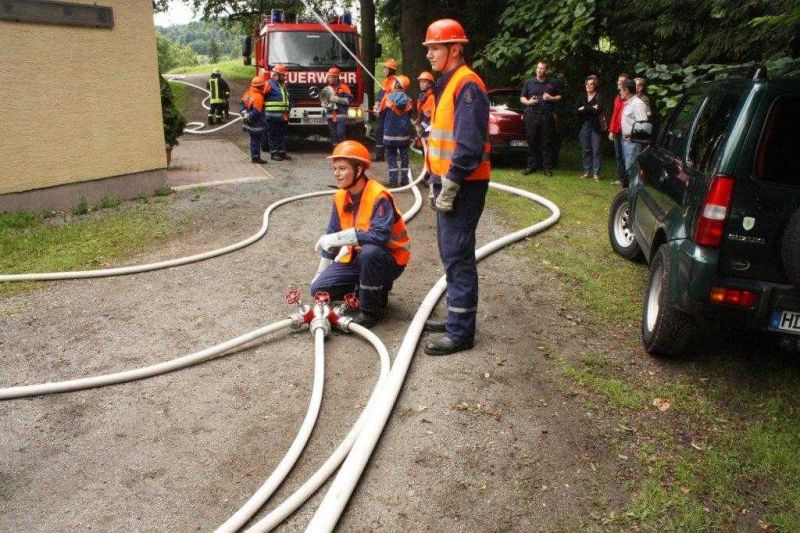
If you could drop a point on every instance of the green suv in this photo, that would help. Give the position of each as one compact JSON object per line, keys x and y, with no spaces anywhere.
{"x":714,"y":207}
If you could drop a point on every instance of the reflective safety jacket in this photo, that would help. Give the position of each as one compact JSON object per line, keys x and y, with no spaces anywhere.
{"x":397,"y":121}
{"x":425,"y":105}
{"x":387,"y":86}
{"x":251,"y":107}
{"x":339,"y":112}
{"x":442,"y":143}
{"x":219,"y":90}
{"x":276,"y":104}
{"x":398,"y":244}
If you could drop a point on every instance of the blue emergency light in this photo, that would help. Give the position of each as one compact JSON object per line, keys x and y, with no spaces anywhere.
{"x":276,"y":16}
{"x":347,"y":18}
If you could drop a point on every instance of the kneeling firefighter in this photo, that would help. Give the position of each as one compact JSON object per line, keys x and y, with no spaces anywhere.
{"x":366,"y":246}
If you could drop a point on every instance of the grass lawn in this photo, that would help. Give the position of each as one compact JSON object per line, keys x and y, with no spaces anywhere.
{"x":181,"y":94}
{"x":230,"y":68}
{"x":31,"y":243}
{"x":724,"y":454}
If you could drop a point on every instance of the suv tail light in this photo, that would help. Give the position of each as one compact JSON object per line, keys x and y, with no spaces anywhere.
{"x":714,"y":212}
{"x":738,"y":297}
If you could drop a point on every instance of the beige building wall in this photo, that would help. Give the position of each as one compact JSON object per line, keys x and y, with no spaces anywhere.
{"x":80,"y":104}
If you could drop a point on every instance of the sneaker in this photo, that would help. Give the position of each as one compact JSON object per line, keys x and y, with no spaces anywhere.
{"x":585,"y":177}
{"x":596,"y":178}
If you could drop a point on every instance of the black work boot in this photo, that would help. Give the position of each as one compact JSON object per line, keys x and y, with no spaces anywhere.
{"x":445,"y":346}
{"x":286,"y":156}
{"x":436,"y":325}
{"x":366,"y":319}
{"x":276,"y":157}
{"x":258,"y":160}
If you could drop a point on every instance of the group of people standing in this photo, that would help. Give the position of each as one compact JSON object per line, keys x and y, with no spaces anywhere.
{"x":367,"y":244}
{"x":264,"y":109}
{"x":540,"y":95}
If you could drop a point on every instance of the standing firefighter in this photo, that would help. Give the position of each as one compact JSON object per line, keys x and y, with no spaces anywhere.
{"x":276,"y":107}
{"x":458,"y":160}
{"x":425,"y":104}
{"x":342,"y":97}
{"x":397,"y":130}
{"x":389,"y":68}
{"x":366,"y":244}
{"x":253,"y":120}
{"x":219,"y":92}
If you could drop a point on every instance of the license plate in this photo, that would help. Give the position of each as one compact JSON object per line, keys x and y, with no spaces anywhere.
{"x":315,"y":120}
{"x":518,"y":143}
{"x":786,"y":321}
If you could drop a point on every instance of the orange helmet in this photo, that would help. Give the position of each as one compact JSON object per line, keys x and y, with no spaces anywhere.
{"x":390,"y":63}
{"x":258,"y":81}
{"x":426,"y":76}
{"x":334,"y":71}
{"x":351,"y":150}
{"x":279,"y":68}
{"x":444,"y":31}
{"x":404,"y":82}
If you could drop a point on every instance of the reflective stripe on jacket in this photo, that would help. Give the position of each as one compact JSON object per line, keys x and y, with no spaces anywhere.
{"x":441,"y":143}
{"x":277,"y":101}
{"x":397,"y":121}
{"x":215,"y":88}
{"x":398,"y":244}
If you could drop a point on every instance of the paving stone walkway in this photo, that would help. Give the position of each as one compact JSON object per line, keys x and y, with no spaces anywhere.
{"x":196,"y":161}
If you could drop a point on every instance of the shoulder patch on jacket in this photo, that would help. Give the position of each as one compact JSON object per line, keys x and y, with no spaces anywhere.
{"x":469,"y":95}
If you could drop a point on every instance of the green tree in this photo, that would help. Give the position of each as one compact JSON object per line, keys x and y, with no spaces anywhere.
{"x":171,"y":55}
{"x":214,"y":51}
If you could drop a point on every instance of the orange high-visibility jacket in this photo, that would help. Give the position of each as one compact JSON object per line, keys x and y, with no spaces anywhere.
{"x":387,"y":86}
{"x":442,"y":143}
{"x":398,"y":244}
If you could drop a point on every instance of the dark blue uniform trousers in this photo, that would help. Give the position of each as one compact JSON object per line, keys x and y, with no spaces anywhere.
{"x":455,"y":233}
{"x":276,"y":133}
{"x":337,"y":131}
{"x":397,"y":176}
{"x":255,"y":143}
{"x":372,"y":272}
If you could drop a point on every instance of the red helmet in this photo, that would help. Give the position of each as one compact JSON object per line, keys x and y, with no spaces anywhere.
{"x":390,"y":63}
{"x":425,"y":76}
{"x":279,"y":68}
{"x":445,"y":31}
{"x":404,"y":82}
{"x":334,"y":71}
{"x":351,"y":150}
{"x":258,"y":81}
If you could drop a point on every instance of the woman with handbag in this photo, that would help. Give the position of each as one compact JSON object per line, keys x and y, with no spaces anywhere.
{"x":592,"y":126}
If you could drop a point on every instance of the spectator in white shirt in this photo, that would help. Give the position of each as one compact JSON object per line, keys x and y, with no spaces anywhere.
{"x":634,"y":111}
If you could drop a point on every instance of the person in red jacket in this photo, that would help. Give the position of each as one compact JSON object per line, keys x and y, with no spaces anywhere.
{"x":615,"y":130}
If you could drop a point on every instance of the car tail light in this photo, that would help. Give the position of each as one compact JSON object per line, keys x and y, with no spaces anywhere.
{"x":714,"y":212}
{"x":494,"y":129}
{"x":738,"y":297}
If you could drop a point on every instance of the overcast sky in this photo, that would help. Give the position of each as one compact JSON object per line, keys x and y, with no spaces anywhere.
{"x":178,"y":13}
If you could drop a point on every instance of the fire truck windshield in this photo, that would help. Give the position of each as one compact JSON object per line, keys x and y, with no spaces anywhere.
{"x":311,"y":50}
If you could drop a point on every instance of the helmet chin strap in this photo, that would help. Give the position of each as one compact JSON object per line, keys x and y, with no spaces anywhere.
{"x":361,"y":175}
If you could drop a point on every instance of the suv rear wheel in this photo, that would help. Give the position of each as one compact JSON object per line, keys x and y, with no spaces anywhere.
{"x":620,"y":230}
{"x":791,"y":249}
{"x":666,"y":331}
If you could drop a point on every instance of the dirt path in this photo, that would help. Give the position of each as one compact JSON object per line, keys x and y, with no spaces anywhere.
{"x":490,"y":439}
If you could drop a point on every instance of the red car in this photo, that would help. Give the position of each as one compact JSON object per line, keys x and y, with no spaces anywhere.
{"x":506,"y":126}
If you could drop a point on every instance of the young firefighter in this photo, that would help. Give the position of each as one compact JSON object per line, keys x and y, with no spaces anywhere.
{"x":219,"y":92}
{"x":389,"y":68}
{"x":397,"y":130}
{"x":254,"y":122}
{"x":276,"y":107}
{"x":366,"y":244}
{"x":458,"y":159}
{"x":425,"y":106}
{"x":341,"y":99}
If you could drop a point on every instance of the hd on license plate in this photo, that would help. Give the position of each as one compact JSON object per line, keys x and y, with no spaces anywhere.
{"x":518,"y":143}
{"x":787,"y":321}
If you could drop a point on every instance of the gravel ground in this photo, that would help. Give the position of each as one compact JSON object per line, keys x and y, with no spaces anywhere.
{"x":489,"y":439}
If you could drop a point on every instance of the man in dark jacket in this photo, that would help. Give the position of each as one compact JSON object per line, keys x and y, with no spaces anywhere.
{"x":539,"y":96}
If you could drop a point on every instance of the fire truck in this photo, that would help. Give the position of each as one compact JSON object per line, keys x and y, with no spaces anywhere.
{"x":308,"y":50}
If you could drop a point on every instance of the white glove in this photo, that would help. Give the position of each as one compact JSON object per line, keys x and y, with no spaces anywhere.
{"x":331,"y":241}
{"x":444,"y":202}
{"x":324,"y":262}
{"x":341,"y":100}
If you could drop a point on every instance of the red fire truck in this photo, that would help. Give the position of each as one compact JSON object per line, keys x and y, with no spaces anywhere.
{"x":308,"y":51}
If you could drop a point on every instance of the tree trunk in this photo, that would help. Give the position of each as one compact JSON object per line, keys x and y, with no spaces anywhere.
{"x":368,"y":45}
{"x":415,"y":17}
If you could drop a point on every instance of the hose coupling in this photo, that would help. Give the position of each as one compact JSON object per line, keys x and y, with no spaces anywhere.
{"x":301,"y":317}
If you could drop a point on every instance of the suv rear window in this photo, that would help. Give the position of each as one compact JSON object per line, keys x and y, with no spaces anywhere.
{"x":709,"y":130}
{"x":776,"y":160}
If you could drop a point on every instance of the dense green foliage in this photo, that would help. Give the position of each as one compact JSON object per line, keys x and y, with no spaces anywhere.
{"x":206,"y":39}
{"x":174,"y":122}
{"x":171,"y":55}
